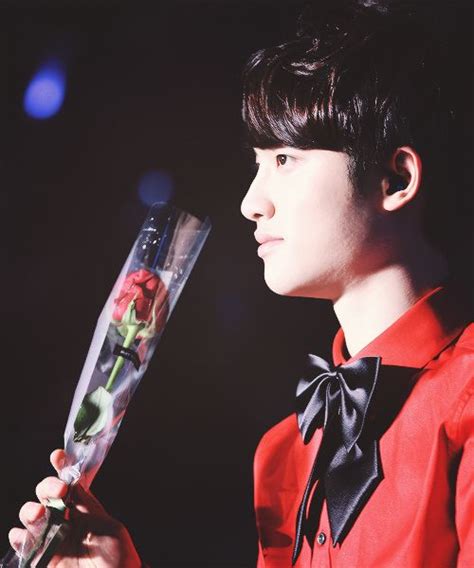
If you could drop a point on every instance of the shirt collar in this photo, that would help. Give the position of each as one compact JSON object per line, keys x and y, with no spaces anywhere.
{"x":418,"y":336}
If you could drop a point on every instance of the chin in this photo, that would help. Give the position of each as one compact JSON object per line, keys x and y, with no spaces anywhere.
{"x":287,"y":285}
{"x":283,"y":285}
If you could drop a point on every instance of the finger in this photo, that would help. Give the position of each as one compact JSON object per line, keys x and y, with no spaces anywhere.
{"x":16,"y":537}
{"x":30,"y":513}
{"x":58,"y":459}
{"x":51,"y":488}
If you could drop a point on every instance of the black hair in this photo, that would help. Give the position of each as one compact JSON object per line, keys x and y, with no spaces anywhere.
{"x":362,"y":77}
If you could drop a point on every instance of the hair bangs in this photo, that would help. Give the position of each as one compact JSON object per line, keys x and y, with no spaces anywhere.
{"x":283,"y":104}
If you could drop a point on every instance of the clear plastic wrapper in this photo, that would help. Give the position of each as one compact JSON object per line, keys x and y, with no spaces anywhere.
{"x":127,"y":333}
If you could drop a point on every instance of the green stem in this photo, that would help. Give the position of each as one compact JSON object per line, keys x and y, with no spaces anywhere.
{"x":129,"y":339}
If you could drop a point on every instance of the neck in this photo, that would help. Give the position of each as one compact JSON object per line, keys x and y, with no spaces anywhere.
{"x":369,"y":305}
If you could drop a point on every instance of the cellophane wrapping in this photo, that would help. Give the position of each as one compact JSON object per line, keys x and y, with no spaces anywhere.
{"x":126,"y":335}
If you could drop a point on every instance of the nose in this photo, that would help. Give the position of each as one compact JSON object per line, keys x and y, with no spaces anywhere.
{"x":256,"y":203}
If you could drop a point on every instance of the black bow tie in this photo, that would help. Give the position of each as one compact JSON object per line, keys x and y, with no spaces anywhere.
{"x":347,"y":466}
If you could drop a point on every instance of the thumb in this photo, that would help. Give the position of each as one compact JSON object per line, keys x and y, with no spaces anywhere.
{"x":58,"y":460}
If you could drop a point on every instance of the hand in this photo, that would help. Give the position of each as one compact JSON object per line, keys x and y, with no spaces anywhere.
{"x":95,"y":540}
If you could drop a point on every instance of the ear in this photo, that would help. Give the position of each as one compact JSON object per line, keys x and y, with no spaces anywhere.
{"x":402,"y":181}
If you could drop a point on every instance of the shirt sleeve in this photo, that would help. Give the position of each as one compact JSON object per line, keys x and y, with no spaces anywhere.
{"x":465,"y":488}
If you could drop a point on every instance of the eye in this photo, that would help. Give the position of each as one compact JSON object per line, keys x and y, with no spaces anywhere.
{"x":281,"y":159}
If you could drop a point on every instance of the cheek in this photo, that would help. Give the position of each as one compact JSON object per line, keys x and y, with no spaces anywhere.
{"x":322,"y":225}
{"x":333,"y":240}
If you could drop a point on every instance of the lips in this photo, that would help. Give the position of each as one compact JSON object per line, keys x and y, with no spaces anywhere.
{"x":267,"y":243}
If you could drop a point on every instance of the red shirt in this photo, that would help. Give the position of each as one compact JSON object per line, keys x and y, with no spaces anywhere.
{"x":422,"y":513}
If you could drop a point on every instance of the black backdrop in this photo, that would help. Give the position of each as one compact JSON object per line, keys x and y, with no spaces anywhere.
{"x":151,"y":85}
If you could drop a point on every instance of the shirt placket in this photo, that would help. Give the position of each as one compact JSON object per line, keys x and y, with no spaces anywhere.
{"x":321,"y":554}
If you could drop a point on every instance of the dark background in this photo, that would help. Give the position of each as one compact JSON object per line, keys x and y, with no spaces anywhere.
{"x":151,"y":85}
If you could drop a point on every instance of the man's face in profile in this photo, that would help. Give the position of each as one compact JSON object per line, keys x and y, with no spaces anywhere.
{"x":318,"y":234}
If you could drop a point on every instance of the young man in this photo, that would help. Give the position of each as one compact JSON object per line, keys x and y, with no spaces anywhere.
{"x":375,"y":468}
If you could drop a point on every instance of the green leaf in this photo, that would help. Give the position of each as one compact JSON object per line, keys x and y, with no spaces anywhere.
{"x":93,"y":415}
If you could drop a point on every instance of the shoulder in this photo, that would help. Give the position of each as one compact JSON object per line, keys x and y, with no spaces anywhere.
{"x":456,"y":363}
{"x":458,"y":359}
{"x":459,"y":367}
{"x":465,"y":350}
{"x":466,"y":339}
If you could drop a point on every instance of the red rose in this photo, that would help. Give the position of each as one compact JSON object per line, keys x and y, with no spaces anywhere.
{"x":150,"y":296}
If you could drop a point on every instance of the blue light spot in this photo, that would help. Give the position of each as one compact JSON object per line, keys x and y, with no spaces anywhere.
{"x":155,"y":186}
{"x":44,"y":95}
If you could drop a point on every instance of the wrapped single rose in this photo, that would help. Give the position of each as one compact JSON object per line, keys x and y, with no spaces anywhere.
{"x":140,"y":313}
{"x":127,"y":333}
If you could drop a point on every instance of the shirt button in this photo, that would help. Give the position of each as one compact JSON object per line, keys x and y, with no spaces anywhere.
{"x":321,"y":538}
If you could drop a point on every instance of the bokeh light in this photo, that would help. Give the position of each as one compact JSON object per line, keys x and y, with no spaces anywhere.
{"x":45,"y":93}
{"x":155,"y":185}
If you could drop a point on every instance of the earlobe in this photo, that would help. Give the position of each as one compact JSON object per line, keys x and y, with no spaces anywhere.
{"x":403,"y":180}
